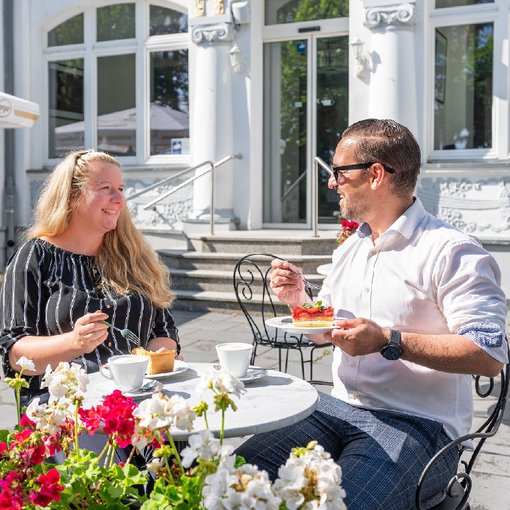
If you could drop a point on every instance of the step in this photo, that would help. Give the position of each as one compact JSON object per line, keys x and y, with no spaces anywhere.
{"x":212,"y":280}
{"x":180,"y":259}
{"x":282,"y":244}
{"x":210,"y":301}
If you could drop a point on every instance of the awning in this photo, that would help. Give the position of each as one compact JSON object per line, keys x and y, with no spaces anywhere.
{"x":16,"y":112}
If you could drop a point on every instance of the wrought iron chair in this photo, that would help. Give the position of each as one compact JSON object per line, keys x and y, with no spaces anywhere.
{"x":251,"y":287}
{"x":459,"y":488}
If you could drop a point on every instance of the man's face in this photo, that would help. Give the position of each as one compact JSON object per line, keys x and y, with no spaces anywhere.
{"x":352,"y":186}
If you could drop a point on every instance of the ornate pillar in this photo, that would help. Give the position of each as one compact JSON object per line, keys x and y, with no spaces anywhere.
{"x":212,"y":34}
{"x":393,"y":78}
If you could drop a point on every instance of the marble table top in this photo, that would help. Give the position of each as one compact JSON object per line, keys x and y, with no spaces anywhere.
{"x":271,"y":402}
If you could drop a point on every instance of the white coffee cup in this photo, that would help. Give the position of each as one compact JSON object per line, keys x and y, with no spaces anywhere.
{"x":126,"y":370}
{"x":235,"y":357}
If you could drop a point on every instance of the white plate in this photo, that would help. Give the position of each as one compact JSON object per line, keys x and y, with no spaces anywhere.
{"x":179,"y":368}
{"x":253,"y":374}
{"x":107,"y":387}
{"x":285,"y":323}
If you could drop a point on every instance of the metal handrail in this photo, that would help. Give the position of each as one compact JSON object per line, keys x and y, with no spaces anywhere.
{"x":315,"y":187}
{"x":166,"y":179}
{"x":293,"y":185}
{"x":194,"y":178}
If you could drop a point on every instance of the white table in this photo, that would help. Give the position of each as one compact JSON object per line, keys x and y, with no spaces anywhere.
{"x":270,"y":403}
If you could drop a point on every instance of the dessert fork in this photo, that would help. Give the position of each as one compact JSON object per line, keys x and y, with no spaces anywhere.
{"x":126,"y":333}
{"x":310,"y":285}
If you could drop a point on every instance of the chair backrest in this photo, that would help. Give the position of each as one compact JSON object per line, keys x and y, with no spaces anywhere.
{"x":459,"y":487}
{"x":253,"y":294}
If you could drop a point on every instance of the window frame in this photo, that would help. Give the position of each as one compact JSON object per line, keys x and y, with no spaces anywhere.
{"x":90,"y":50}
{"x":497,"y":14}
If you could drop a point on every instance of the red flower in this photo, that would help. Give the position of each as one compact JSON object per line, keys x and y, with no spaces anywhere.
{"x":49,"y":489}
{"x":10,"y":500}
{"x":347,"y":228}
{"x":26,"y":422}
{"x":115,"y":415}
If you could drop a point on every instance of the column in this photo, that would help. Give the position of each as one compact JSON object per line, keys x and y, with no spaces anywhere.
{"x":393,"y":77}
{"x":212,"y":35}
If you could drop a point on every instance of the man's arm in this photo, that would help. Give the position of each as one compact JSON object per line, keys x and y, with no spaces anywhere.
{"x":447,"y":353}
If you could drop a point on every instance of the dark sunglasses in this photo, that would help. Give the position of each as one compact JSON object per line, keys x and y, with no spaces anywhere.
{"x":358,"y":166}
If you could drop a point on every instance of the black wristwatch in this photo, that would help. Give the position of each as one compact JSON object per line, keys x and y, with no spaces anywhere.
{"x":393,"y":350}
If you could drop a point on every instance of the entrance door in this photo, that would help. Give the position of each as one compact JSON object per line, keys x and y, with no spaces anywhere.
{"x":305,"y":111}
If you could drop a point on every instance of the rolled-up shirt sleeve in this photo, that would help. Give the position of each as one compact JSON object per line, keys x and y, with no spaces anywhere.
{"x":471,"y":298}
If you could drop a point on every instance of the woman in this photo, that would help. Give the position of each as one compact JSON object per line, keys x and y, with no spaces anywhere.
{"x":83,"y":262}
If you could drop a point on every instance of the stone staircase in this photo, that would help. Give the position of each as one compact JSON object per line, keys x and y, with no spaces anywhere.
{"x":202,"y":277}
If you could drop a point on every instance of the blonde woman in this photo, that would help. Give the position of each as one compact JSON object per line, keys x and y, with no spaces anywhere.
{"x":83,"y":262}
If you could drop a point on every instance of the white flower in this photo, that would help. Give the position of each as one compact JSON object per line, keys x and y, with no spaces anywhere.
{"x":310,"y":480}
{"x":221,"y":382}
{"x":244,"y":488}
{"x":203,"y":445}
{"x":160,"y":412}
{"x":67,"y":380}
{"x":48,"y":418}
{"x":155,"y":465}
{"x":26,"y":364}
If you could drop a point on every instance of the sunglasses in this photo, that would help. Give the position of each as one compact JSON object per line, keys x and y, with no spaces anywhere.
{"x":339,"y":170}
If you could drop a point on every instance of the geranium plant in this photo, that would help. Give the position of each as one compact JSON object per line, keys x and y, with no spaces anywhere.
{"x":206,"y":474}
{"x":347,"y":228}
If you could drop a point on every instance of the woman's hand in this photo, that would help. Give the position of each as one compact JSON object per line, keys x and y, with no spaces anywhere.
{"x":286,"y":283}
{"x":89,"y":331}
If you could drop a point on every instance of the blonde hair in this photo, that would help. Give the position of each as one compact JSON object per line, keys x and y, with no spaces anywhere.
{"x":127,"y":262}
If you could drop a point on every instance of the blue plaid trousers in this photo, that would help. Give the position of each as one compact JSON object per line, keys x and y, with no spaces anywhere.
{"x":381,"y":453}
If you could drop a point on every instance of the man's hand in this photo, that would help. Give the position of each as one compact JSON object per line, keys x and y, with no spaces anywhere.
{"x":358,"y":336}
{"x":286,"y":283}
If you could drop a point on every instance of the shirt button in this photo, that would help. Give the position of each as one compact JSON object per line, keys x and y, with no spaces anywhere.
{"x":366,"y":290}
{"x":110,"y":344}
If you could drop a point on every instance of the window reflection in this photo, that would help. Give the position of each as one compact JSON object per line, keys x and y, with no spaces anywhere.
{"x":116,"y":22}
{"x":116,"y":105}
{"x":66,"y":110}
{"x":68,"y":32}
{"x":458,"y":3}
{"x":169,"y":107}
{"x":167,"y":21}
{"x":463,"y":87}
{"x":301,"y":10}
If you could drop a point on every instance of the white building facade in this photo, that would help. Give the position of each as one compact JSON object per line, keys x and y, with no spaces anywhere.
{"x":264,"y":86}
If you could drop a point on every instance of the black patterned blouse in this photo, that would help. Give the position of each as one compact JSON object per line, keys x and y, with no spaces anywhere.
{"x":46,"y":289}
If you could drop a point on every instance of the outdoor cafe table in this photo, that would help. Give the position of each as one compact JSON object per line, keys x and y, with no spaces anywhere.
{"x":271,"y":402}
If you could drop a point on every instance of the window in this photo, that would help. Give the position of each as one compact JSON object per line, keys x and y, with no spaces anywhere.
{"x":99,"y":96}
{"x":466,"y":40}
{"x":290,"y":11}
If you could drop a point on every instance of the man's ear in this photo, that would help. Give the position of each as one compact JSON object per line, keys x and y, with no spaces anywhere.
{"x":377,"y":175}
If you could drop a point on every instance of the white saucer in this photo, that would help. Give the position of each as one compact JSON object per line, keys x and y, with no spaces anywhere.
{"x":253,"y":374}
{"x":107,"y":387}
{"x":285,"y":323}
{"x":179,"y":368}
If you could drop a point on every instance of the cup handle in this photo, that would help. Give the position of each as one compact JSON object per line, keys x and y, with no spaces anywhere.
{"x":105,"y":371}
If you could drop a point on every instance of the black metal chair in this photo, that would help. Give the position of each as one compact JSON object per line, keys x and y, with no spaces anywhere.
{"x":459,"y":488}
{"x":251,"y":287}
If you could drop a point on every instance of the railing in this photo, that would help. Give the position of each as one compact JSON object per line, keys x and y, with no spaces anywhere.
{"x":315,"y":188}
{"x":211,"y":168}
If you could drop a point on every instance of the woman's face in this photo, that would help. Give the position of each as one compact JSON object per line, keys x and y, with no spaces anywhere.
{"x":101,"y":200}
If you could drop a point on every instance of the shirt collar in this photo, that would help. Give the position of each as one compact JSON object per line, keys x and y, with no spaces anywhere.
{"x":405,"y":224}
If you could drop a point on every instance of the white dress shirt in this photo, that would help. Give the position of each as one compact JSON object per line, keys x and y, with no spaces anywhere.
{"x":422,"y":276}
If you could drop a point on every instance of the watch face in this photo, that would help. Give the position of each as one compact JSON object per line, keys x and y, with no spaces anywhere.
{"x":391,"y":352}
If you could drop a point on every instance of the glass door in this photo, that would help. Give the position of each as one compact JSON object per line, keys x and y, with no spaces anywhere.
{"x":305,"y":111}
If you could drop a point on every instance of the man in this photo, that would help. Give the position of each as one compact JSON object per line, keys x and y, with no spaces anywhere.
{"x":428,"y":312}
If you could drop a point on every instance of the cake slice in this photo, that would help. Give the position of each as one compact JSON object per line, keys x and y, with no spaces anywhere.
{"x":312,"y":315}
{"x":159,"y":362}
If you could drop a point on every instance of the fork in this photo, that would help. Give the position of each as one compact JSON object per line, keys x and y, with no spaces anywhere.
{"x":310,"y":285}
{"x":126,"y":333}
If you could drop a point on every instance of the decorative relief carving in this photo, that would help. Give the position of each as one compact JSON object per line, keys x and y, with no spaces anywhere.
{"x":220,"y":7}
{"x":199,"y":7}
{"x":217,"y":32}
{"x":390,"y":15}
{"x":478,"y":207}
